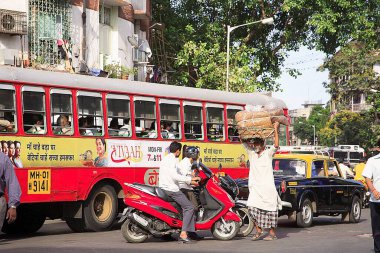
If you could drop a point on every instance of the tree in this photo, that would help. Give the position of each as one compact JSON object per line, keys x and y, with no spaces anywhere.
{"x":350,"y":128}
{"x":303,"y":128}
{"x":195,"y":35}
{"x":351,"y":72}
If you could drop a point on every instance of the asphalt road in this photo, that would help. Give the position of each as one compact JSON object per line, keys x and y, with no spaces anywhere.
{"x":327,"y":235}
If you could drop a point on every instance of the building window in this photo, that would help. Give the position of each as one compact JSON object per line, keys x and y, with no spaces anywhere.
{"x":105,"y":15}
{"x":49,"y":28}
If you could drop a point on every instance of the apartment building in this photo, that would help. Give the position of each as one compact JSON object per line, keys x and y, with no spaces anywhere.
{"x":91,"y":33}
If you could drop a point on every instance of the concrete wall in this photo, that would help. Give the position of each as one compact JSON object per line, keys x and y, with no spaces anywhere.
{"x":92,"y":38}
{"x":77,"y":35}
{"x":125,"y":50}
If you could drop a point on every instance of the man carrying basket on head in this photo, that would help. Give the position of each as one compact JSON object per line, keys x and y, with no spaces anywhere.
{"x":263,"y":196}
{"x":255,"y":125}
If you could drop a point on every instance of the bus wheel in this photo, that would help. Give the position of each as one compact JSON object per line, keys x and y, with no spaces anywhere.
{"x":76,"y":225}
{"x":100,"y":208}
{"x":29,"y":220}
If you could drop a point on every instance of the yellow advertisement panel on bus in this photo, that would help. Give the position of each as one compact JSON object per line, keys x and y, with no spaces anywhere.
{"x":100,"y":152}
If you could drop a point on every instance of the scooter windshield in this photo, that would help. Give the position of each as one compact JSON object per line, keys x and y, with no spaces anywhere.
{"x":205,"y":169}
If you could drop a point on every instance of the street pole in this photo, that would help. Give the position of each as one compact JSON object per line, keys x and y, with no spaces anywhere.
{"x":266,"y":21}
{"x":314,"y":134}
{"x":228,"y":55}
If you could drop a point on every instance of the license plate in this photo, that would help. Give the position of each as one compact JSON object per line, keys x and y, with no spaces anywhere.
{"x":39,"y":181}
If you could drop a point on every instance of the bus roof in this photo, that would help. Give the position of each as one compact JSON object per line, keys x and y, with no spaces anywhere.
{"x":58,"y":79}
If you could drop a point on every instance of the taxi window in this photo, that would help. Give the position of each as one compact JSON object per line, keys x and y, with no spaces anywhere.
{"x":317,"y":169}
{"x":333,"y":169}
{"x":289,"y":167}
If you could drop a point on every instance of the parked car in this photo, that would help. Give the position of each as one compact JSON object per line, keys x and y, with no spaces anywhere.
{"x":311,"y":185}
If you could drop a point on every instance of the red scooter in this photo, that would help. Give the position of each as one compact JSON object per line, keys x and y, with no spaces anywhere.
{"x":151,"y":212}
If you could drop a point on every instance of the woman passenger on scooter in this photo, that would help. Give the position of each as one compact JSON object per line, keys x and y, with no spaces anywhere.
{"x":191,"y":155}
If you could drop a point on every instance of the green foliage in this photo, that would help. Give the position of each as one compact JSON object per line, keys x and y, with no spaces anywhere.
{"x":115,"y":70}
{"x":348,"y":127}
{"x":195,"y":36}
{"x":351,"y":71}
{"x":304,"y":129}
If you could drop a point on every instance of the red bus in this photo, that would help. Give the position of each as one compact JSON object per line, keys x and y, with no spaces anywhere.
{"x":75,"y":140}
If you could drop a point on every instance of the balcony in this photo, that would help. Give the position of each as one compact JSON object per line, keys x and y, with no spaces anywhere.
{"x":359,"y":107}
{"x":141,"y":9}
{"x":115,"y":2}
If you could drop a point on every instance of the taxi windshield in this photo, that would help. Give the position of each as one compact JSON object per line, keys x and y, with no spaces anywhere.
{"x":289,"y":167}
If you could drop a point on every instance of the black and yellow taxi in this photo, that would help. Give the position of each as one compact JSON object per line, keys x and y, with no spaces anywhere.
{"x":312,"y":185}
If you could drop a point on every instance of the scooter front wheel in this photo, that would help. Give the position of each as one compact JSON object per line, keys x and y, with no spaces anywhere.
{"x":132,"y":232}
{"x":225,"y":230}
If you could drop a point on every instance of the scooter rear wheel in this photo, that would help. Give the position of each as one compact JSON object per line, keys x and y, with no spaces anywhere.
{"x":225,"y":231}
{"x":131,"y":232}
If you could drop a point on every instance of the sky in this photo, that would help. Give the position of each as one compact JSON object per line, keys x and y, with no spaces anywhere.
{"x":309,"y":85}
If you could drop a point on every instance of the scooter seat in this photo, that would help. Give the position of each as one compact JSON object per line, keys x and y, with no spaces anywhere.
{"x":151,"y":189}
{"x":162,"y":195}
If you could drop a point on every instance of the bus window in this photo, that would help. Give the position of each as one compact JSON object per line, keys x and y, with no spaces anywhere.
{"x":7,"y":109}
{"x":90,"y":113}
{"x":33,"y":99}
{"x":119,"y":119}
{"x":193,"y":121}
{"x":170,"y":120}
{"x":61,"y":112}
{"x":233,"y":134}
{"x":215,"y":122}
{"x":145,"y":117}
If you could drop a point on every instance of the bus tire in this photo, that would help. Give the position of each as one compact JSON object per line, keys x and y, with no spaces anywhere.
{"x":100,"y":208}
{"x":76,"y":225}
{"x":28,"y":221}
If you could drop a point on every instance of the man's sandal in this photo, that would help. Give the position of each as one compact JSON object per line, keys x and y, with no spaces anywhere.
{"x":270,"y":238}
{"x":258,"y":236}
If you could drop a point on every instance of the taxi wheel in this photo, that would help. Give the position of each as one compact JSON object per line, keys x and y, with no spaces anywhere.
{"x":305,"y":214}
{"x":100,"y":208}
{"x":356,"y":210}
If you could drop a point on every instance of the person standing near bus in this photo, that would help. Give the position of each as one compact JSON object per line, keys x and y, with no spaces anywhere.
{"x":263,"y":196}
{"x":371,"y":173}
{"x":9,"y":181}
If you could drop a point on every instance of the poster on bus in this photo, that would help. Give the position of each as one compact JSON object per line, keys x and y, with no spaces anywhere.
{"x":100,"y":152}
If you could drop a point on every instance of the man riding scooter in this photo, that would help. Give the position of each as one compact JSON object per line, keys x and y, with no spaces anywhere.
{"x":169,"y":180}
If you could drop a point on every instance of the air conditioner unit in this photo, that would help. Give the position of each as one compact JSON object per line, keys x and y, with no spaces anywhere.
{"x":13,"y":22}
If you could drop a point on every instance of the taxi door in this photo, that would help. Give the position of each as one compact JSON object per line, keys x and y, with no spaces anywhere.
{"x":320,"y":185}
{"x":339,"y":188}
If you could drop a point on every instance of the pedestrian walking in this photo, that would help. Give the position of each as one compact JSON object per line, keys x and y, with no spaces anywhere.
{"x":263,"y":198}
{"x":371,"y":173}
{"x":8,"y":180}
